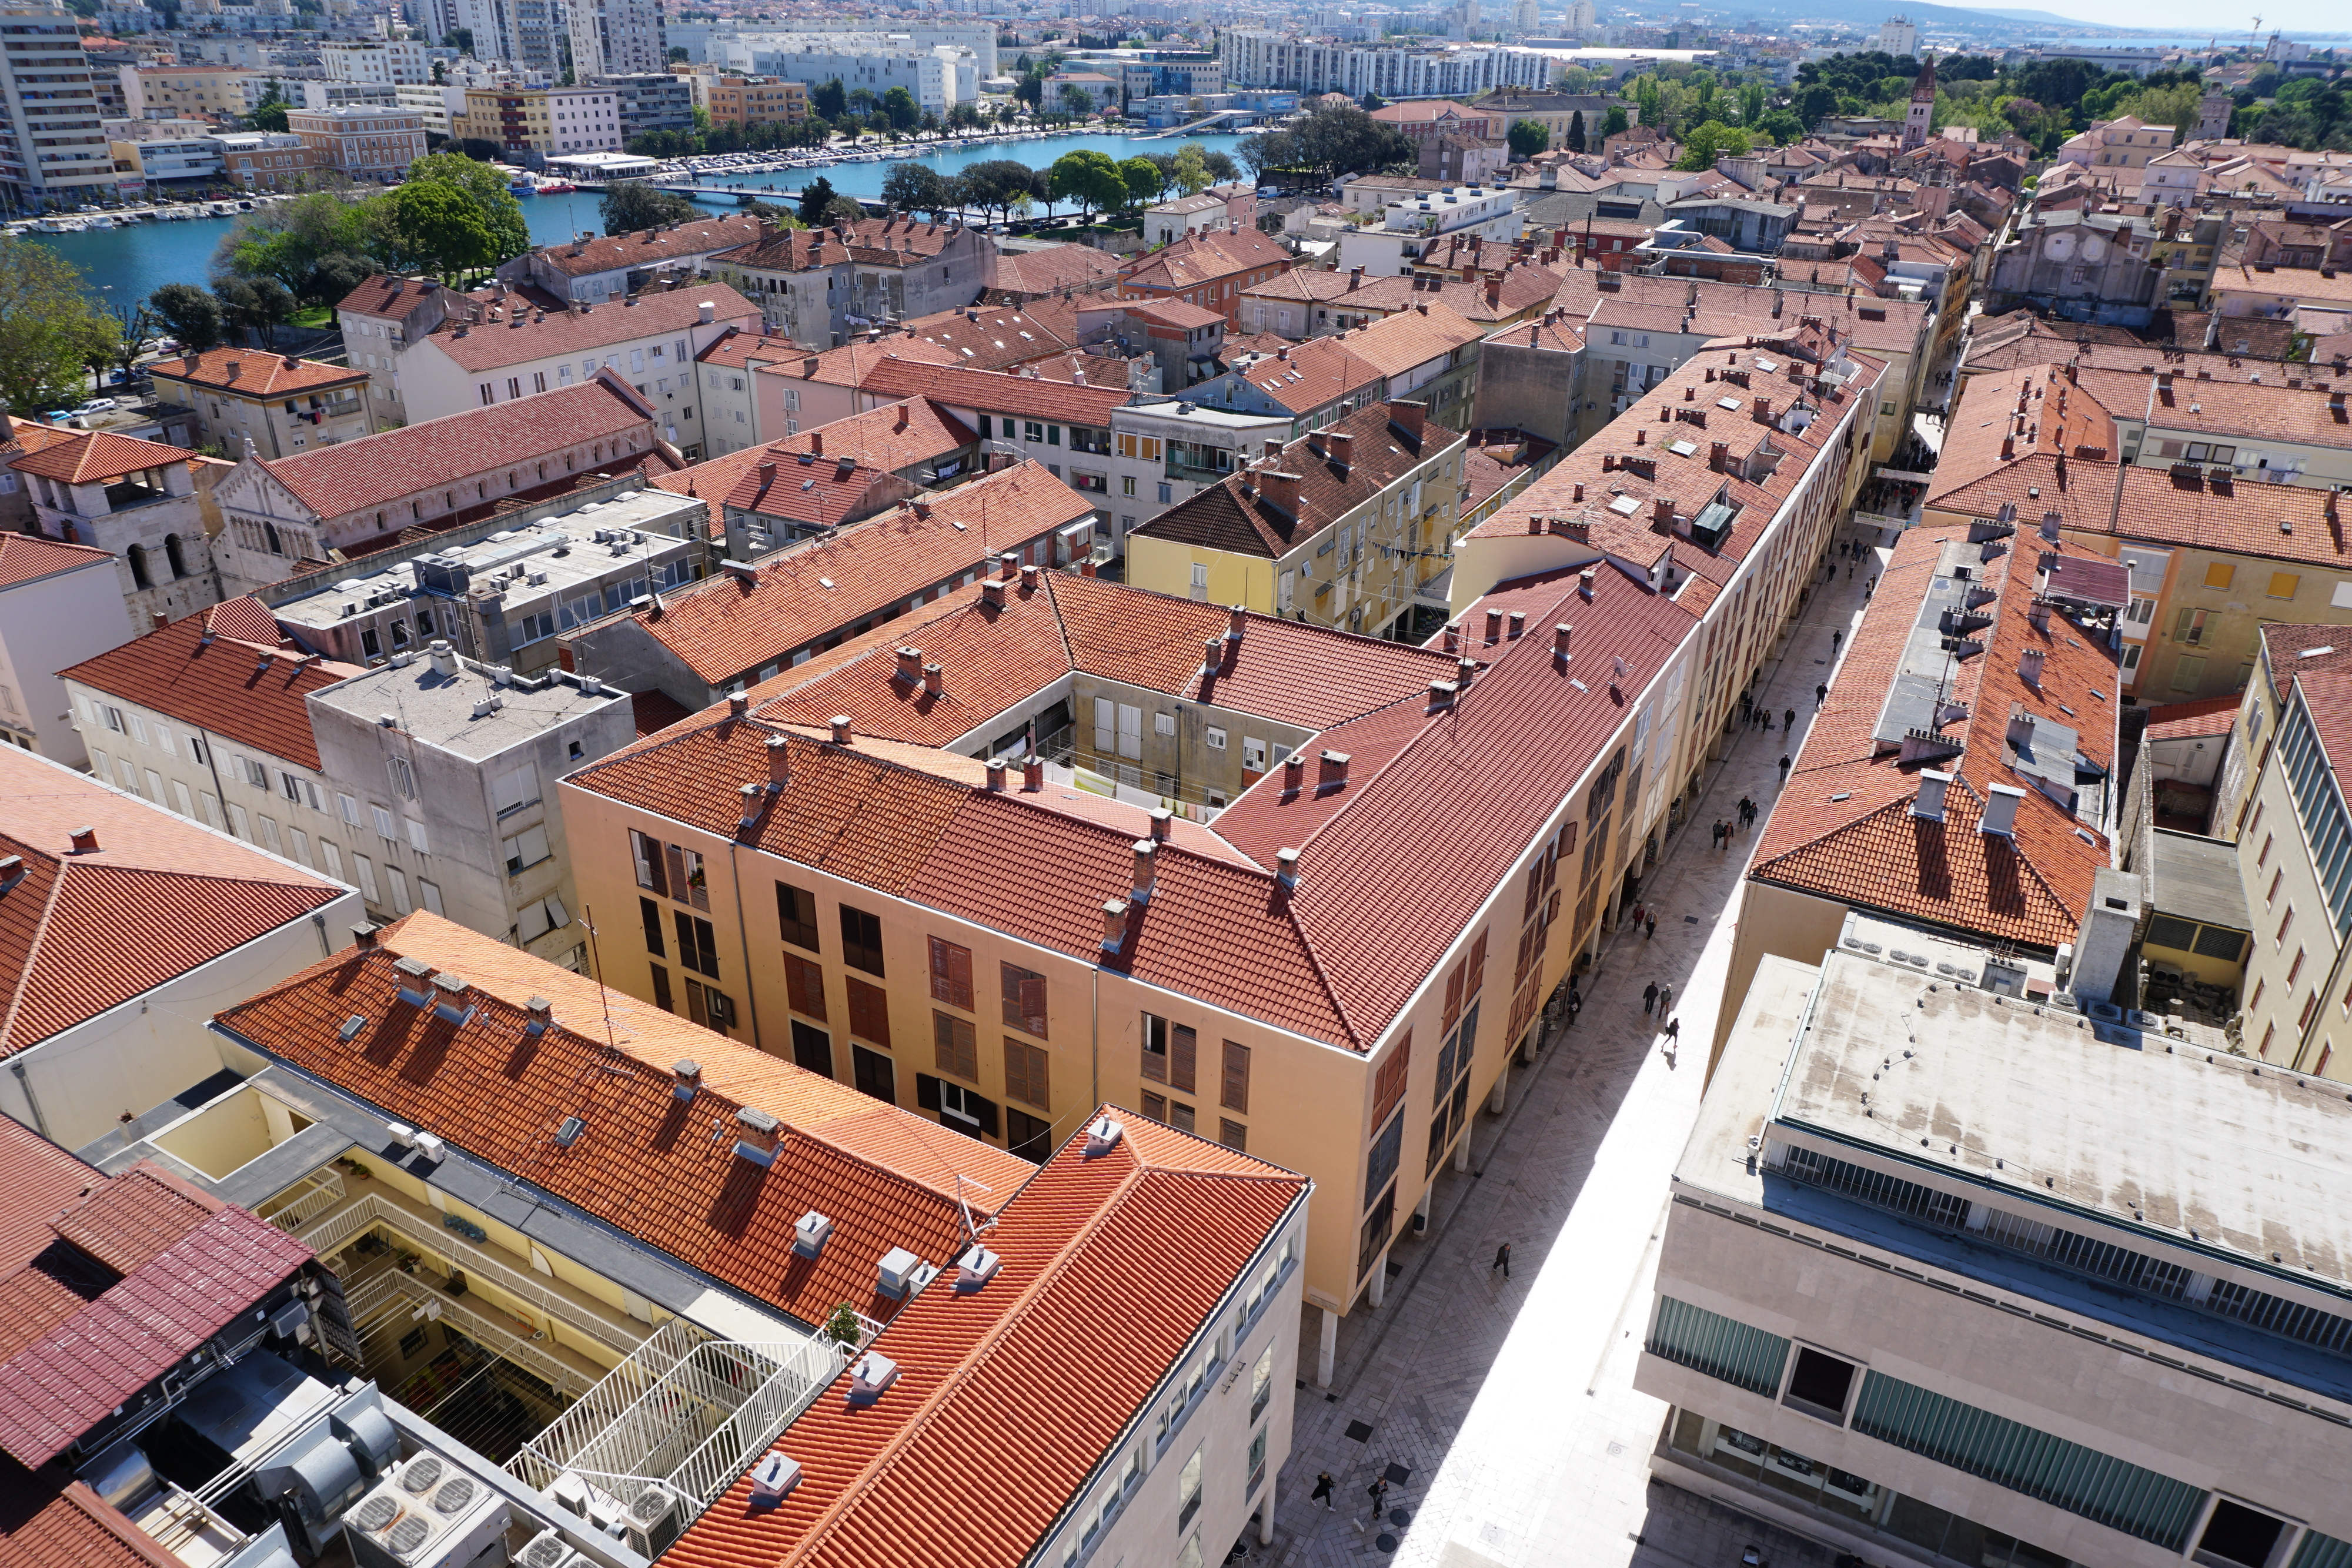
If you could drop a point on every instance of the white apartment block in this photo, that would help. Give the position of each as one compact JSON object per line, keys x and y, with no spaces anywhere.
{"x":936,"y":78}
{"x":392,"y":62}
{"x":616,"y":37}
{"x":56,"y":151}
{"x":583,"y":120}
{"x":1256,"y":57}
{"x":731,"y":45}
{"x":1899,"y":36}
{"x":1409,"y":227}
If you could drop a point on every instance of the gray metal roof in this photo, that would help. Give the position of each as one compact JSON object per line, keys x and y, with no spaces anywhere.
{"x":2197,"y":879}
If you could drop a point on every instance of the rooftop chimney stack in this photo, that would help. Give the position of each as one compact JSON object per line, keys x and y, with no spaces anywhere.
{"x":2001,"y":802}
{"x":1114,"y":924}
{"x":1517,"y":625}
{"x":1008,"y":566}
{"x":932,"y":674}
{"x":1587,"y":582}
{"x":1441,"y":696}
{"x":840,"y":726}
{"x":737,"y":705}
{"x":1033,"y":773}
{"x":910,"y":665}
{"x":1560,"y":633}
{"x":1929,"y":803}
{"x":757,"y":1136}
{"x":1163,"y":824}
{"x":686,"y":1078}
{"x":779,"y":762}
{"x":364,"y":934}
{"x":85,"y":841}
{"x":1331,"y":771}
{"x":2029,"y":665}
{"x":445,"y":658}
{"x":1464,"y":671}
{"x":1294,"y":774}
{"x":996,"y":771}
{"x":1147,"y":852}
{"x":1236,"y":621}
{"x":1286,"y":869}
{"x":1493,"y":626}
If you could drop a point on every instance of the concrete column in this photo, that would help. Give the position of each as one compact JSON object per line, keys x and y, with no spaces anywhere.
{"x":1379,"y":1290}
{"x":1327,"y":1350}
{"x":1421,"y":1211}
{"x":1265,"y":1512}
{"x":1462,"y":1153}
{"x":1496,"y":1101}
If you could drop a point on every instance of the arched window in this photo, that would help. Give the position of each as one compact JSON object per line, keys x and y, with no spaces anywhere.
{"x":270,"y":531}
{"x":175,"y":555}
{"x":136,"y":556}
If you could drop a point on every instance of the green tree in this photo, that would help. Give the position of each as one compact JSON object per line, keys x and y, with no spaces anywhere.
{"x":1191,"y":169}
{"x":435,"y":228}
{"x":864,"y":100}
{"x":1781,"y":125}
{"x":844,"y":210}
{"x":458,"y":38}
{"x":677,"y":55}
{"x":487,"y":189}
{"x":900,"y":105}
{"x":629,"y":205}
{"x":916,"y":188}
{"x":255,"y":307}
{"x":1077,"y":100}
{"x":1527,"y":138}
{"x":1371,"y":103}
{"x":190,"y":314}
{"x":994,"y":184}
{"x":269,"y":113}
{"x":830,"y":99}
{"x":1031,"y":90}
{"x":1088,"y":178}
{"x":1613,"y":122}
{"x":1144,"y":180}
{"x":815,"y":197}
{"x":1222,"y":170}
{"x":1576,"y":132}
{"x":1707,"y":142}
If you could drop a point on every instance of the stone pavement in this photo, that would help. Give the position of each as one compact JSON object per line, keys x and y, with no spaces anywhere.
{"x":1510,"y":1400}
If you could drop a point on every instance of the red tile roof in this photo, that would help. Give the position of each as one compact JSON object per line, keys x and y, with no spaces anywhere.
{"x":993,"y":392}
{"x":1202,"y":258}
{"x":1135,"y":1248}
{"x":886,"y":1177}
{"x":512,"y":336}
{"x":95,"y":456}
{"x":198,"y":670}
{"x":651,"y":247}
{"x":393,"y":465}
{"x":81,"y":933}
{"x":2188,"y":721}
{"x":48,"y":1518}
{"x":1842,"y":828}
{"x":40,"y":1179}
{"x":250,"y":373}
{"x":881,"y":442}
{"x":724,"y":627}
{"x":29,"y":557}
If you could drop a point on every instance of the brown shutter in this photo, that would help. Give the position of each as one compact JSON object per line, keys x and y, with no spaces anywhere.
{"x":1033,"y":1005}
{"x":1234,"y":1095}
{"x":1025,"y":1074}
{"x":1180,"y":1051}
{"x":1453,"y":992}
{"x":674,"y":859}
{"x":1388,"y":1084}
{"x":869,"y":1012}
{"x":960,"y":975}
{"x":1478,"y":968}
{"x":957,"y":1051}
{"x":650,"y":852}
{"x":804,"y":983}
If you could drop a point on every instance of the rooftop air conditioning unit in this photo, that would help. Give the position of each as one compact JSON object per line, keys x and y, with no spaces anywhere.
{"x":547,"y":1550}
{"x":426,"y":1514}
{"x":654,"y":1521}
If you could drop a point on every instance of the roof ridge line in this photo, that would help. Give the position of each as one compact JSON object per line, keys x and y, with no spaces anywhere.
{"x":967,"y":1366}
{"x":32,"y":952}
{"x":1322,"y":976}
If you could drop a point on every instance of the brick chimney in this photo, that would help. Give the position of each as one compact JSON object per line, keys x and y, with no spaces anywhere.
{"x":817,"y":443}
{"x":1409,"y":417}
{"x":1279,"y":490}
{"x":779,"y":762}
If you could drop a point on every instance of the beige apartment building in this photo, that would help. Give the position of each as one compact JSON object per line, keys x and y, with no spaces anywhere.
{"x":1366,"y":927}
{"x":1345,"y":532}
{"x":210,"y":93}
{"x":280,"y":404}
{"x":751,"y":101}
{"x":361,"y":143}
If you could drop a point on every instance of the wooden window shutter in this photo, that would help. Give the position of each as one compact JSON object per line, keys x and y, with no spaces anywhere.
{"x":648,"y":853}
{"x":1155,"y":1106}
{"x":869,"y":1012}
{"x":951,"y":974}
{"x":1025,"y":1074}
{"x":1453,"y":992}
{"x":926,"y":1092}
{"x":1180,"y":1051}
{"x":1388,"y":1084}
{"x":805,"y":982}
{"x":958,"y":1052}
{"x":674,"y":859}
{"x":1234,"y":1092}
{"x":1478,"y":968}
{"x":985,"y":1109}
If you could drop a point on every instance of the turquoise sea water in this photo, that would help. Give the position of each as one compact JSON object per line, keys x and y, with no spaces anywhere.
{"x":133,"y":262}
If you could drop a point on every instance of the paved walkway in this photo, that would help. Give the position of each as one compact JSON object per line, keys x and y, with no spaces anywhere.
{"x":1510,"y":1401}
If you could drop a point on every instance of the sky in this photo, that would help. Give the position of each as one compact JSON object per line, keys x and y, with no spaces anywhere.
{"x":2193,"y":20}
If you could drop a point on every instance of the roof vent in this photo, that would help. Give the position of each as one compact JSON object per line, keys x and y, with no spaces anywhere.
{"x":1930,"y":800}
{"x":870,"y":1375}
{"x":542,"y":1013}
{"x":687,"y":1074}
{"x":773,"y":1478}
{"x":85,"y":841}
{"x":351,"y":1027}
{"x":2000,"y":809}
{"x":809,"y":1236}
{"x":756,"y":1136}
{"x":976,"y":1267}
{"x":1102,"y":1136}
{"x":899,"y":1272}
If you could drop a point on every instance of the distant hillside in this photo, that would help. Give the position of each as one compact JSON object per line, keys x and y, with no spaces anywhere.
{"x":1870,"y":12}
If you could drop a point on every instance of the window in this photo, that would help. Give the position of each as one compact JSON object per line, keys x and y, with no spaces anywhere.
{"x":1233,"y":1135}
{"x":869,"y":1012}
{"x":2218,"y":574}
{"x":361,"y":862}
{"x":1819,"y":1385}
{"x":688,"y":881}
{"x":386,"y":827}
{"x":709,"y":1007}
{"x":416,"y":836}
{"x":2283,"y":584}
{"x":1253,"y":754}
{"x":2188,"y":672}
{"x":697,"y":944}
{"x":1031,"y":1137}
{"x":649,"y":912}
{"x":1024,"y":1000}
{"x":861,"y":940}
{"x":1233,"y":1090}
{"x":255,"y":774}
{"x":645,"y":852}
{"x":524,"y":850}
{"x":2277,"y":877}
{"x":403,"y":778}
{"x":1168,"y":1052}
{"x":2286,"y":923}
{"x":812,"y":1048}
{"x":1188,"y":1490}
{"x":514,"y":788}
{"x":1381,"y":1161}
{"x":1025,"y":1075}
{"x":951,"y":974}
{"x":957,"y":1051}
{"x":957,"y":1103}
{"x":797,"y":913}
{"x":876,"y":1074}
{"x":1388,"y":1084}
{"x":805,"y":985}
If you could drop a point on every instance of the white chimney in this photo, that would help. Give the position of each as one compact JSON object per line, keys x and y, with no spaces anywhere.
{"x":1102,"y":1136}
{"x":2029,"y":665}
{"x":2001,"y":802}
{"x":445,"y":658}
{"x":1930,"y":802}
{"x":809,"y":1234}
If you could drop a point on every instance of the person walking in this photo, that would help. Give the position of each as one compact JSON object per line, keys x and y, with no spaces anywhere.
{"x":1502,"y":1260}
{"x":1788,"y":721}
{"x":1378,"y":1491}
{"x":1784,"y":767}
{"x":1575,"y":1005}
{"x":1322,"y":1492}
{"x":1674,"y":1032}
{"x":1637,"y":914}
{"x":1849,"y":573}
{"x":1837,"y":641}
{"x":1820,"y":696}
{"x":1652,"y":929}
{"x":1665,"y":1000}
{"x":1648,"y":997}
{"x":1868,"y":588}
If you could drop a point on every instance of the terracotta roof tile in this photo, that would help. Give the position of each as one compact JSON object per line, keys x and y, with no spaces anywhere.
{"x":250,"y":373}
{"x":513,"y":336}
{"x":392,"y":465}
{"x":881,"y":442}
{"x":48,"y":1518}
{"x":92,"y":457}
{"x":40,"y":1179}
{"x":1202,"y":258}
{"x":28,"y":557}
{"x":202,"y":673}
{"x":990,"y":392}
{"x":724,"y":627}
{"x":1040,"y":272}
{"x":2186,"y":721}
{"x":81,"y":933}
{"x":649,"y":248}
{"x":887,"y":1178}
{"x":1135,"y":1247}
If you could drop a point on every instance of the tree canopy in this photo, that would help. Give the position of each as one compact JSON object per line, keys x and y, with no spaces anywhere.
{"x":629,"y":205}
{"x":1527,"y":138}
{"x":191,"y":314}
{"x":918,"y":188}
{"x":1708,"y":141}
{"x":50,"y":331}
{"x":1090,"y":179}
{"x":1331,"y":140}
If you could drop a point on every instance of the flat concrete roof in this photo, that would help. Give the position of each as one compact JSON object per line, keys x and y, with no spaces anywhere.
{"x":441,"y":710}
{"x":2197,"y":878}
{"x":2211,"y":1153}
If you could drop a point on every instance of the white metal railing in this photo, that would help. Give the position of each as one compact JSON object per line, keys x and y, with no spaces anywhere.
{"x":685,"y":1411}
{"x":476,"y":1262}
{"x":499,"y":1340}
{"x":326,"y":1191}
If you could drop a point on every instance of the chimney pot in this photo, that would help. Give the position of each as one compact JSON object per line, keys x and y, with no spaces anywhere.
{"x":1008,"y":566}
{"x":737,"y":705}
{"x":996,"y":771}
{"x":1518,"y":624}
{"x":1560,"y":633}
{"x":85,"y":841}
{"x":1033,"y":773}
{"x":1294,"y":773}
{"x":1929,"y":803}
{"x":1146,"y":867}
{"x":364,"y":934}
{"x":931,"y":679}
{"x":839,"y":723}
{"x":1493,"y":626}
{"x":817,"y":443}
{"x":158,"y":620}
{"x":779,"y":762}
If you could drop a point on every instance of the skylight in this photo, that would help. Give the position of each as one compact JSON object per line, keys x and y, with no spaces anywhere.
{"x":1682,"y":448}
{"x":1625,"y":505}
{"x":1730,"y":403}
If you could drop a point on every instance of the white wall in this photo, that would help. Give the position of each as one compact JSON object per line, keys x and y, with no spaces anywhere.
{"x":50,"y":625}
